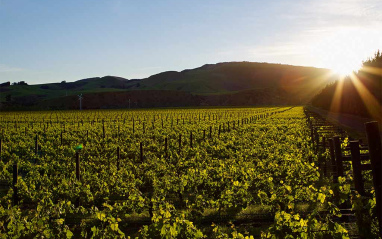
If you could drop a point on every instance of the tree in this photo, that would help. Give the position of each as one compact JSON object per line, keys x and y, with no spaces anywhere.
{"x":374,"y":61}
{"x":5,"y":84}
{"x":20,"y":83}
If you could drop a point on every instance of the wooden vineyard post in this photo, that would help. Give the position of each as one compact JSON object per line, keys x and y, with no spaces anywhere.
{"x":36,"y":144}
{"x":118,"y":157}
{"x":133,"y":126}
{"x":325,"y":163}
{"x":356,"y":163}
{"x":191,"y":139}
{"x":143,"y":127}
{"x":204,"y":137}
{"x":317,"y":140}
{"x":15,"y":189}
{"x":180,"y":143}
{"x":311,"y":135}
{"x":141,"y":151}
{"x":103,"y":128}
{"x":165,"y":146}
{"x":78,"y":176}
{"x":323,"y":144}
{"x":374,"y":141}
{"x":332,"y":160}
{"x":219,"y":130}
{"x":338,"y":154}
{"x":210,"y":131}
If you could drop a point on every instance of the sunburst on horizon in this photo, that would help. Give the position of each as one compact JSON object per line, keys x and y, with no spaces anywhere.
{"x":341,"y":50}
{"x":345,"y":69}
{"x":371,"y":103}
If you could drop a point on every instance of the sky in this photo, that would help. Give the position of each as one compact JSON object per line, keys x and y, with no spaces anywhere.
{"x":45,"y":41}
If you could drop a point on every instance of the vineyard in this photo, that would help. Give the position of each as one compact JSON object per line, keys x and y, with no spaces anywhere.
{"x":175,"y":173}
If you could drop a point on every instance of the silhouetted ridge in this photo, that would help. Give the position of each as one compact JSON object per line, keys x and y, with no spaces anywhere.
{"x":227,"y":83}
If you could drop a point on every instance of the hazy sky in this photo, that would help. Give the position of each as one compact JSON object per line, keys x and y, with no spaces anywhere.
{"x":50,"y":41}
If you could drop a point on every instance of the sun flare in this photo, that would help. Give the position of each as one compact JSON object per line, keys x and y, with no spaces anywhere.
{"x":341,"y":50}
{"x":345,"y":68}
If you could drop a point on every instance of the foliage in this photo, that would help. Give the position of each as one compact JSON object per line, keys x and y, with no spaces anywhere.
{"x":240,"y":157}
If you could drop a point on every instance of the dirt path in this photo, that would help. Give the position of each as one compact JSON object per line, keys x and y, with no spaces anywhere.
{"x":354,"y":125}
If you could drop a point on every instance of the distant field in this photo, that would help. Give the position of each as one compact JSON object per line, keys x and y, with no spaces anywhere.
{"x":162,"y":173}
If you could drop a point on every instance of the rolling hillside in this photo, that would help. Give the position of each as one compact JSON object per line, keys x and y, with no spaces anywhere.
{"x":231,"y":83}
{"x":237,"y":76}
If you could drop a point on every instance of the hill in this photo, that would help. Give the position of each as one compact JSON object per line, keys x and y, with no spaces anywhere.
{"x":230,"y":83}
{"x":238,"y":76}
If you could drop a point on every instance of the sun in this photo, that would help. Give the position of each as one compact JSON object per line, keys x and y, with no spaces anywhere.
{"x":341,"y":50}
{"x":345,"y":68}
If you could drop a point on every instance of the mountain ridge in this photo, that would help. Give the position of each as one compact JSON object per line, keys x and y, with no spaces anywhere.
{"x":298,"y":83}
